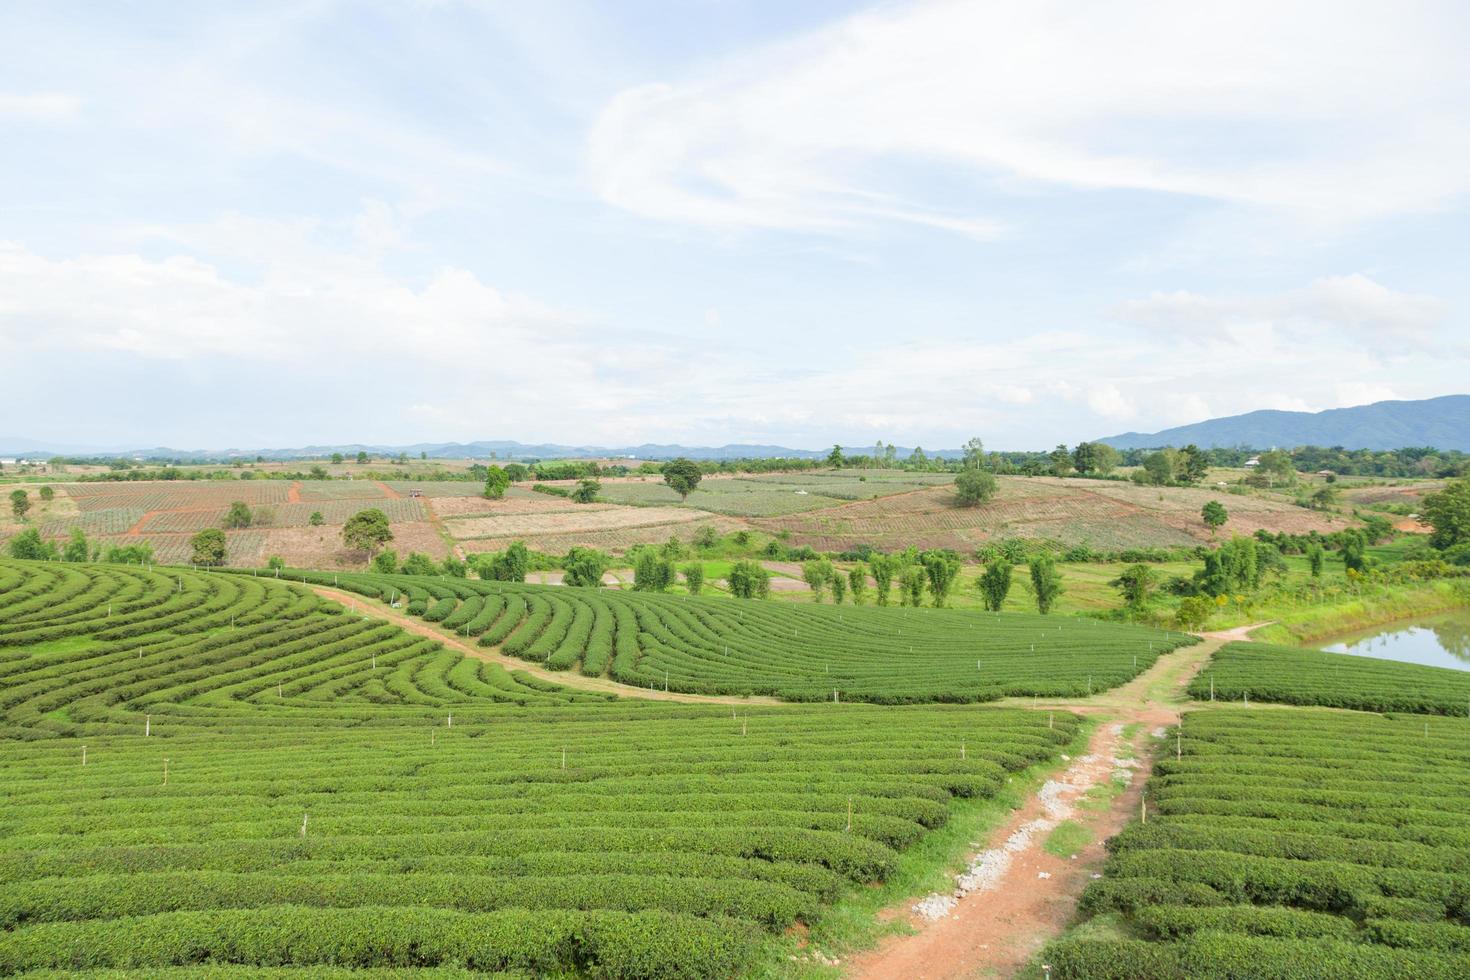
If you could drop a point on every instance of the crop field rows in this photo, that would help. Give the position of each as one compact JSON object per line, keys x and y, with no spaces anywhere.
{"x":241,"y":547}
{"x":615,"y":539}
{"x":808,"y":653}
{"x":575,"y":517}
{"x":333,"y":512}
{"x":1291,"y":843}
{"x":170,"y":495}
{"x":203,"y":770}
{"x":113,"y":520}
{"x":1262,"y":672}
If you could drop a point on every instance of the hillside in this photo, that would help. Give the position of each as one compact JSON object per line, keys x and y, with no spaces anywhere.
{"x":1443,"y":423}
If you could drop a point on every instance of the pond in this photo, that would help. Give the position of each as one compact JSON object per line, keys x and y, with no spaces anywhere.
{"x":1436,"y":641}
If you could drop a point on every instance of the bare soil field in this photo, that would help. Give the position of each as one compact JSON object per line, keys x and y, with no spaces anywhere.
{"x":617,"y":539}
{"x":1100,"y":514}
{"x":581,"y":519}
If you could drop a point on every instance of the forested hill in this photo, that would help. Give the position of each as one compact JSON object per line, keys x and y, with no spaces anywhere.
{"x":1443,"y":423}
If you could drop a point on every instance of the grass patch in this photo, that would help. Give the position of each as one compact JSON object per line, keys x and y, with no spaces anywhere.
{"x":1068,"y":838}
{"x":851,"y":924}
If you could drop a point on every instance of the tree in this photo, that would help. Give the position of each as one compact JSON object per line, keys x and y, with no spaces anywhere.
{"x":884,"y":568}
{"x":517,"y":471}
{"x":1046,"y":582}
{"x":912,"y":586}
{"x":367,"y":530}
{"x":496,"y":480}
{"x":208,"y":547}
{"x":129,"y":554}
{"x":817,"y":573}
{"x":1137,"y":585}
{"x":835,"y":458}
{"x":749,"y":580}
{"x":316,"y":519}
{"x":318,"y":472}
{"x":682,"y":476}
{"x":46,"y":494}
{"x":974,"y":451}
{"x":694,"y":577}
{"x":28,"y":544}
{"x":76,"y":547}
{"x":839,"y":588}
{"x":275,"y":563}
{"x":995,"y":584}
{"x":418,"y":563}
{"x":1214,"y":515}
{"x":706,"y":537}
{"x":1061,"y":460}
{"x":1448,"y":512}
{"x":974,"y":486}
{"x":19,"y":504}
{"x":1192,"y":465}
{"x":1094,"y":458}
{"x":511,"y":565}
{"x":1277,"y":467}
{"x":386,"y":561}
{"x":1194,"y":611}
{"x":917,"y":459}
{"x":652,"y":573}
{"x":238,"y":515}
{"x":857,"y":583}
{"x":941,"y":569}
{"x":586,"y":491}
{"x":263,"y":516}
{"x":337,"y":459}
{"x":454,"y":567}
{"x":1323,"y":498}
{"x":1316,"y":558}
{"x":362,"y":458}
{"x":584,"y":568}
{"x":1159,"y":467}
{"x":1355,"y":552}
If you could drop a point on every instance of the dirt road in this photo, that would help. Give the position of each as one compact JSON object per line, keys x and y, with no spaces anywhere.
{"x":1015,"y":896}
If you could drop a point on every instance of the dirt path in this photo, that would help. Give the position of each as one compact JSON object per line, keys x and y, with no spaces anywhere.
{"x":388,"y":491}
{"x":493,"y":655}
{"x":293,"y":492}
{"x":441,"y":529}
{"x":1015,"y":896}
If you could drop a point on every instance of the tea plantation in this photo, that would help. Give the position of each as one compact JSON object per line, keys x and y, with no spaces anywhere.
{"x":798,"y":653}
{"x":1290,"y":843}
{"x":1287,"y":675}
{"x":205,"y":773}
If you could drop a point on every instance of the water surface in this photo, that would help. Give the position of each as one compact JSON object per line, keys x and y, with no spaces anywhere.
{"x":1436,"y":641}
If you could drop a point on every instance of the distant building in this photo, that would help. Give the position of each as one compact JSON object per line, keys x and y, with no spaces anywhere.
{"x":1253,"y":461}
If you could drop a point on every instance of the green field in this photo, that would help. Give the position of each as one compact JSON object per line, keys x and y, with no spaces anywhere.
{"x":1287,"y":675}
{"x":796,"y":652}
{"x":1290,"y":844}
{"x":209,"y":770}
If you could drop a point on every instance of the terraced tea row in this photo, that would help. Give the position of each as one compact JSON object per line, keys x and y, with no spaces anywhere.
{"x":1287,"y":675}
{"x":800,"y":653}
{"x":215,"y":770}
{"x":1299,"y":843}
{"x":93,"y":649}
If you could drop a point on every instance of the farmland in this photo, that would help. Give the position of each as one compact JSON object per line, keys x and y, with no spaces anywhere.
{"x":806,"y":653}
{"x":217,"y":769}
{"x":1290,"y":844}
{"x":1287,"y":675}
{"x":1103,"y":515}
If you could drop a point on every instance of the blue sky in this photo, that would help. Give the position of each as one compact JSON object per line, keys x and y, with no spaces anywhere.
{"x":275,"y":224}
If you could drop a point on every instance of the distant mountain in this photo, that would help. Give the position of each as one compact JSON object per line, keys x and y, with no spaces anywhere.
{"x":1443,"y":423}
{"x":503,"y":449}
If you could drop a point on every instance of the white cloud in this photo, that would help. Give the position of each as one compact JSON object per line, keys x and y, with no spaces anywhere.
{"x":39,"y":107}
{"x":1330,"y":111}
{"x":1352,"y":307}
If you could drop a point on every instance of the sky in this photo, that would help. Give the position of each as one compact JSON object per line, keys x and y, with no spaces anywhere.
{"x":720,"y":221}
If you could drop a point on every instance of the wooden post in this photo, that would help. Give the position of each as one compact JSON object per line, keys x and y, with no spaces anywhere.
{"x":1050,"y":717}
{"x":278,"y":689}
{"x":147,"y":725}
{"x":1178,"y":744}
{"x":744,"y":725}
{"x":451,"y":720}
{"x":1142,"y":810}
{"x":165,"y":772}
{"x":1212,"y":687}
{"x":962,"y":750}
{"x":84,"y":755}
{"x":563,"y":756}
{"x":303,"y":825}
{"x":849,"y":814}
